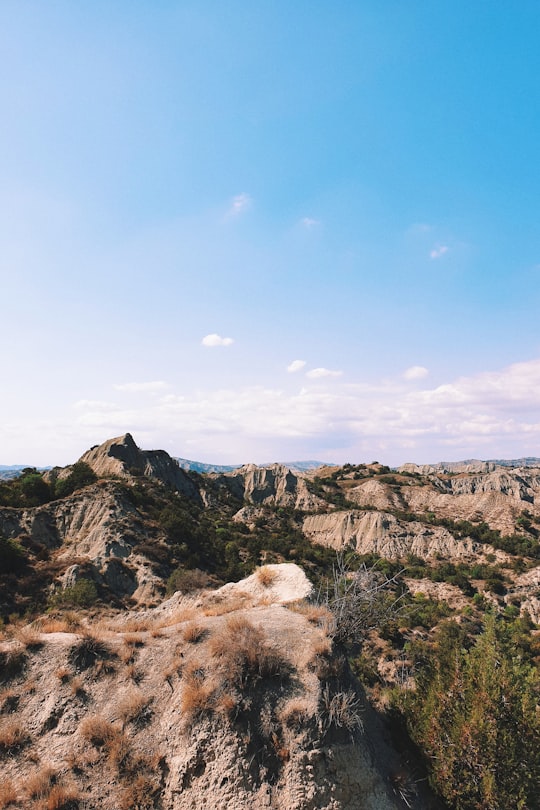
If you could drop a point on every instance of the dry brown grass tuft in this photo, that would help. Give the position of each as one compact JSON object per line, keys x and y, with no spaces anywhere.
{"x":137,"y":625}
{"x":295,"y":713}
{"x":315,"y":614}
{"x":67,"y":622}
{"x":12,"y":663}
{"x":266,"y":575}
{"x":63,"y":797}
{"x":103,"y":734}
{"x":184,"y":613}
{"x":141,"y":794}
{"x":133,"y":673}
{"x":9,"y":700}
{"x":63,"y":674}
{"x":219,"y":605}
{"x":194,"y":632}
{"x":198,"y":698}
{"x":226,"y":704}
{"x":98,"y":730}
{"x":134,"y":707}
{"x":13,"y":736}
{"x":8,"y":793}
{"x":241,"y":652}
{"x":38,"y":785}
{"x":29,"y":638}
{"x":134,"y":640}
{"x":76,"y":687}
{"x":120,"y":753}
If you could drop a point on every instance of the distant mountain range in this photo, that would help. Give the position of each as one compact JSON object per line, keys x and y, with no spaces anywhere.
{"x":201,"y":467}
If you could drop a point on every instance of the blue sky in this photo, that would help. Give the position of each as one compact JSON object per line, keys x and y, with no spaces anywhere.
{"x":344,"y":193}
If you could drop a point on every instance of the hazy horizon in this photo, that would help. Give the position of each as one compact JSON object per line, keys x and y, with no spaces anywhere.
{"x":275,"y":231}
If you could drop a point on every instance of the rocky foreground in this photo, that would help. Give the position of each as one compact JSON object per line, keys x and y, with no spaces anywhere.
{"x":234,"y":697}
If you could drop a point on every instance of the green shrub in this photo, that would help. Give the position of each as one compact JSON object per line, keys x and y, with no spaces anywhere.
{"x":81,"y":475}
{"x":82,"y":594}
{"x":12,"y":556}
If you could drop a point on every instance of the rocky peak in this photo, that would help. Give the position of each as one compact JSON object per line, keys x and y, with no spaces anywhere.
{"x":121,"y":457}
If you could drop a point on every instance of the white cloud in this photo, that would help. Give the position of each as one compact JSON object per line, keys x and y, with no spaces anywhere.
{"x":415,"y":373}
{"x":239,"y":204}
{"x":317,"y":373}
{"x":150,"y":387}
{"x":439,"y":251}
{"x":216,"y":340}
{"x":296,"y":365}
{"x":309,"y":222}
{"x":492,"y":414}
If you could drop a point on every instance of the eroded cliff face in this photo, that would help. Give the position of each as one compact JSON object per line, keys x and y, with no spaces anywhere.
{"x":93,"y":534}
{"x":274,"y":485}
{"x":383,"y":534}
{"x":230,"y":700}
{"x":498,"y":497}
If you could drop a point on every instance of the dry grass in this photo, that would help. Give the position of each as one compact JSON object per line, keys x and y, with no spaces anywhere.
{"x":175,"y":667}
{"x":341,"y":709}
{"x":9,"y":700}
{"x":134,"y":707}
{"x":133,"y":673}
{"x":13,"y":736}
{"x":198,"y":698}
{"x":68,"y":622}
{"x":295,"y":713}
{"x":134,"y":640}
{"x":63,"y":797}
{"x":318,"y":615}
{"x":90,"y":651}
{"x":104,"y":735}
{"x":141,"y":794}
{"x":219,"y":605}
{"x":12,"y":663}
{"x":184,"y":613}
{"x":98,"y":730}
{"x":8,"y":793}
{"x":76,"y":687}
{"x":241,"y":652}
{"x":120,"y":753}
{"x":135,"y":625}
{"x":38,"y":785}
{"x":29,"y":638}
{"x":194,"y":632}
{"x":63,"y":674}
{"x":266,"y":575}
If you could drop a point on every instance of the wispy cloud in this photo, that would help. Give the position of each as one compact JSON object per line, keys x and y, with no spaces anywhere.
{"x":317,"y":373}
{"x":309,"y":222}
{"x":439,"y":251}
{"x":216,"y":340}
{"x":478,"y":415}
{"x":140,"y":387}
{"x":296,"y":365}
{"x":240,"y":203}
{"x":415,"y":373}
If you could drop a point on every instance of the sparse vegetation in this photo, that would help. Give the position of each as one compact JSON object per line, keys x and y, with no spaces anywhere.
{"x":265,"y":576}
{"x":13,"y":736}
{"x":8,"y":793}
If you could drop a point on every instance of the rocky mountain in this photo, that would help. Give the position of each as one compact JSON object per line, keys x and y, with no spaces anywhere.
{"x":177,"y":653}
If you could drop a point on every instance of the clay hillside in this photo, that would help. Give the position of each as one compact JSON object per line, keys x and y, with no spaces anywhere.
{"x":269,"y":637}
